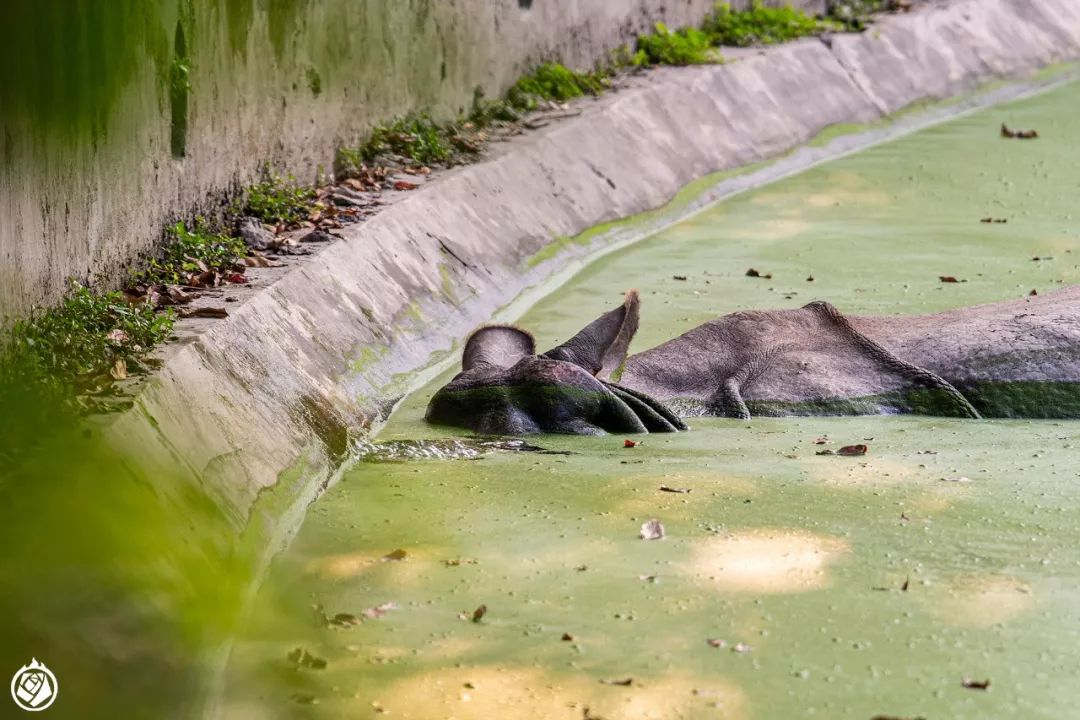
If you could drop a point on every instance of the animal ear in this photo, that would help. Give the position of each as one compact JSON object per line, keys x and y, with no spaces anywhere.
{"x":500,"y":345}
{"x":602,"y":346}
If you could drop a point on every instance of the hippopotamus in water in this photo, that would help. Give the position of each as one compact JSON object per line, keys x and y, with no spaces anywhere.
{"x":1019,"y":358}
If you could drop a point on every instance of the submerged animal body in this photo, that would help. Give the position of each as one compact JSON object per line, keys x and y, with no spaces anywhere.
{"x":1018,"y":358}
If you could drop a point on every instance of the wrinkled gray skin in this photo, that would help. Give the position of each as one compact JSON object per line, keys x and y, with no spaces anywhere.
{"x":1018,"y":358}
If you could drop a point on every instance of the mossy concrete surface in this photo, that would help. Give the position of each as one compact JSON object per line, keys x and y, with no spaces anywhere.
{"x":116,"y":117}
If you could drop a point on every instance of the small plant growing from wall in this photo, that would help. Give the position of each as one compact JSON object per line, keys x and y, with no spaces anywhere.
{"x":278,"y":200}
{"x":761,"y":25}
{"x":83,"y":342}
{"x":192,"y":251}
{"x":688,"y":46}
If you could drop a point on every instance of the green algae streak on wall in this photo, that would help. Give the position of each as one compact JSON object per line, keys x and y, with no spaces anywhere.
{"x":117,"y":117}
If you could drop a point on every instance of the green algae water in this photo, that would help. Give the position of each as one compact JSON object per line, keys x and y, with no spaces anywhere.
{"x":937,"y":576}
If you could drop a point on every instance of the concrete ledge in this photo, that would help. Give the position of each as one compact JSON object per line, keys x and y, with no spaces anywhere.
{"x":332,"y":344}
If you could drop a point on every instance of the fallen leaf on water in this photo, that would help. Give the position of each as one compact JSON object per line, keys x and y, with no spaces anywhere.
{"x":975,"y":684}
{"x":652,"y":530}
{"x":947,"y":279}
{"x":479,"y":613}
{"x":993,"y":220}
{"x":455,"y":562}
{"x":237,"y":279}
{"x":379,"y":610}
{"x":629,"y":443}
{"x":956,"y":479}
{"x":302,"y":658}
{"x":666,"y":488}
{"x":754,"y":273}
{"x":345,"y":620}
{"x":1033,"y":292}
{"x":404,"y":185}
{"x":678,"y":277}
{"x":906,"y":585}
{"x":624,"y":682}
{"x":717,"y":643}
{"x":1006,"y":132}
{"x":119,"y":370}
{"x":205,"y":312}
{"x":567,"y":637}
{"x":810,"y":279}
{"x":740,"y":648}
{"x":853,"y":450}
{"x":647,"y":578}
{"x":398,"y":554}
{"x":582,"y":568}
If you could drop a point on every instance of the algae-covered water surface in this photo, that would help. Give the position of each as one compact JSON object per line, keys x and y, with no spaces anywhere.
{"x":937,"y":576}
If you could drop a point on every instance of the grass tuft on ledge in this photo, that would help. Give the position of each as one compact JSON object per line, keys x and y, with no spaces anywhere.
{"x":688,"y":46}
{"x":278,"y":200}
{"x":87,"y":338}
{"x":761,"y":25}
{"x":192,"y":251}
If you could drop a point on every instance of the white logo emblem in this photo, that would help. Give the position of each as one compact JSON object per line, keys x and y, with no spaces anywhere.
{"x":34,"y":687}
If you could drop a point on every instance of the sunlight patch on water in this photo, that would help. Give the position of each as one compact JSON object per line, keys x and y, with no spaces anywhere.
{"x":773,"y":561}
{"x":525,"y":693}
{"x":979,"y":601}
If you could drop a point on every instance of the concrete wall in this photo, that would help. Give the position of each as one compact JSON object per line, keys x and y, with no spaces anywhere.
{"x":101,"y":144}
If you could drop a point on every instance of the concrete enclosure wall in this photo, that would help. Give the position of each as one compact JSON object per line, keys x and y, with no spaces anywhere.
{"x":116,"y":117}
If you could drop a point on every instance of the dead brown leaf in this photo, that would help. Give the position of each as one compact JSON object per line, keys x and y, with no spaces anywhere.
{"x":301,"y":658}
{"x":971,"y":684}
{"x":205,"y":312}
{"x":669,"y":489}
{"x":853,"y":450}
{"x":345,"y":620}
{"x":398,"y":554}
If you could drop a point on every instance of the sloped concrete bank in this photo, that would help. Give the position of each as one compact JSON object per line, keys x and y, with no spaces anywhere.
{"x":257,"y":408}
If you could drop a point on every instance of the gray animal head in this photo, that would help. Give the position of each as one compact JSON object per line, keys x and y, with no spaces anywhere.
{"x":505,"y":388}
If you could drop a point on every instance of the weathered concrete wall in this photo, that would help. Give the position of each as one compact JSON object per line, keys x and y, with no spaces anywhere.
{"x":102,"y":142}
